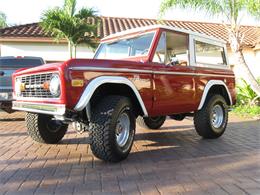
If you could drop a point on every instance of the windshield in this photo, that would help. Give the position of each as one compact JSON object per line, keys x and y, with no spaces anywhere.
{"x":131,"y":47}
{"x":20,"y":62}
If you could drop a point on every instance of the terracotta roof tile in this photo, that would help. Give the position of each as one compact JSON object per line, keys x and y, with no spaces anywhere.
{"x":110,"y":25}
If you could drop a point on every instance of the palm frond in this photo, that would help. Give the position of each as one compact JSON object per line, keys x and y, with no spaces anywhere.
{"x":212,"y":7}
{"x":253,"y":8}
{"x":70,"y":7}
{"x":85,"y":13}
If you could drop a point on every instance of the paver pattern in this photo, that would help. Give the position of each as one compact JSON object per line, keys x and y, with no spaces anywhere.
{"x":172,"y":160}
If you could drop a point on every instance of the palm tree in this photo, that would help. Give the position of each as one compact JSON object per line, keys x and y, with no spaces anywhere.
{"x":2,"y":20}
{"x":66,"y":23}
{"x":232,"y":11}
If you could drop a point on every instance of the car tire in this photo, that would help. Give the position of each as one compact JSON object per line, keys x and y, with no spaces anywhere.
{"x":112,"y":128}
{"x":41,"y":128}
{"x":151,"y":122}
{"x":211,"y":121}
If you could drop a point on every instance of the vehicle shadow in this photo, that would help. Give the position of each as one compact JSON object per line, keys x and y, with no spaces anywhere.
{"x":11,"y":119}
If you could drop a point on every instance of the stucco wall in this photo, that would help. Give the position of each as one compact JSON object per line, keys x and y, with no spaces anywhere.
{"x":252,"y":58}
{"x":48,"y":51}
{"x":59,"y":52}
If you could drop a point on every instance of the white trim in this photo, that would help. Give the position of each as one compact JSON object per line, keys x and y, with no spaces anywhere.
{"x":194,"y":38}
{"x":128,"y":70}
{"x":141,"y":29}
{"x":51,"y":109}
{"x":208,"y":87}
{"x":95,"y":83}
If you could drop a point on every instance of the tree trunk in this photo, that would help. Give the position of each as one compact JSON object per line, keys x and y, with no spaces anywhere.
{"x":248,"y":76}
{"x":70,"y":48}
{"x":75,"y":51}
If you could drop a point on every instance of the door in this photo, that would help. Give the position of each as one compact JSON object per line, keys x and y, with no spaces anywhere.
{"x":174,"y":86}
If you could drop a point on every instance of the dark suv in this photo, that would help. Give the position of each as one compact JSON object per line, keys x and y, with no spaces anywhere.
{"x":8,"y":65}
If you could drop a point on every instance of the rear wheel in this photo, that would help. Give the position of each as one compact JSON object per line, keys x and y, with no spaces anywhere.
{"x":112,"y":128}
{"x":151,"y":122}
{"x":211,"y":121}
{"x":42,"y":128}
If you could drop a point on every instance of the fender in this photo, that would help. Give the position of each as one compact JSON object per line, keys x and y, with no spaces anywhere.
{"x":208,"y":87}
{"x":95,"y":83}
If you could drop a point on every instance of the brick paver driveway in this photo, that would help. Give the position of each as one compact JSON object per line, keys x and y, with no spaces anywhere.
{"x":172,"y":160}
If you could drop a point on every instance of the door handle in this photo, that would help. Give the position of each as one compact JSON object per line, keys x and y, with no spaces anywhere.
{"x":2,"y":73}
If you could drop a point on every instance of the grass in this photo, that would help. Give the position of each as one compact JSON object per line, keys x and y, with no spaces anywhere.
{"x":247,"y":111}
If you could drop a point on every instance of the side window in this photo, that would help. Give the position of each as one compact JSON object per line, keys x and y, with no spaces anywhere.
{"x":159,"y":55}
{"x":177,"y":52}
{"x":209,"y":54}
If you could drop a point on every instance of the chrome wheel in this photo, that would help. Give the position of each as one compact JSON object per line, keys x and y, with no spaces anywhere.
{"x":217,"y":116}
{"x":122,"y":129}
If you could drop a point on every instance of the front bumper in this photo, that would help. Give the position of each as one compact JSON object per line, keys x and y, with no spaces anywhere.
{"x":50,"y":109}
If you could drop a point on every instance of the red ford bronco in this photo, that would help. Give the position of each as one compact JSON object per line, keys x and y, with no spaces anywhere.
{"x":142,"y":75}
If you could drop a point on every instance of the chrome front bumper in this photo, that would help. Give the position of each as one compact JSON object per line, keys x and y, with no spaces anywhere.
{"x":50,"y":109}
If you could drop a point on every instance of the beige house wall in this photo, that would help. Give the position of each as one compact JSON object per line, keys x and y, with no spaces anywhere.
{"x":59,"y":52}
{"x":252,"y":58}
{"x":48,"y":51}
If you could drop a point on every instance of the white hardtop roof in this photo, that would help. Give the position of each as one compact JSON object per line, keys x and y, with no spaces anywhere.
{"x":145,"y":28}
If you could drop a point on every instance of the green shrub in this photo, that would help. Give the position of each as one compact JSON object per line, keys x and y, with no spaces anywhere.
{"x":248,"y":103}
{"x":245,"y":95}
{"x":247,"y":111}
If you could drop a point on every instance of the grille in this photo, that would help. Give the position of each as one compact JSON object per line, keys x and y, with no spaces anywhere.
{"x":34,"y":86}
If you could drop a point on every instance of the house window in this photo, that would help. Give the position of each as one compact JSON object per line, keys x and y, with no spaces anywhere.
{"x":209,"y":54}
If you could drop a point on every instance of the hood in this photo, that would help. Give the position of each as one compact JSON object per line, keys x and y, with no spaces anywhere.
{"x":42,"y":68}
{"x":129,"y":63}
{"x":62,"y":67}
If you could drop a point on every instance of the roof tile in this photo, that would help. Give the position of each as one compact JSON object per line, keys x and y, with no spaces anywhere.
{"x":110,"y":25}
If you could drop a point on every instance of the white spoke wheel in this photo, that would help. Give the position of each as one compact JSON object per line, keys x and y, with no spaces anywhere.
{"x":112,"y":128}
{"x":217,"y":116}
{"x":122,"y":129}
{"x":211,"y":121}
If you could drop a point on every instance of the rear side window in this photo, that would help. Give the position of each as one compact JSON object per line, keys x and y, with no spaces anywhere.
{"x":209,"y":54}
{"x":20,"y":62}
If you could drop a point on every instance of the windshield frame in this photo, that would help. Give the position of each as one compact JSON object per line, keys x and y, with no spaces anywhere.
{"x":130,"y":36}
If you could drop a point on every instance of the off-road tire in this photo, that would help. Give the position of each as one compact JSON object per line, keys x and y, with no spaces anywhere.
{"x":151,"y":122}
{"x":102,"y":128}
{"x":41,"y":128}
{"x":203,"y":118}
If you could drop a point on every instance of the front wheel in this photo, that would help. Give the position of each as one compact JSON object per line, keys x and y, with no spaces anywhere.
{"x":211,"y":121}
{"x":112,"y":128}
{"x":42,"y":128}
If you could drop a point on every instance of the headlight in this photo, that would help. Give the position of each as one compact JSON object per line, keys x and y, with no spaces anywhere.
{"x":18,"y":83}
{"x":55,"y":85}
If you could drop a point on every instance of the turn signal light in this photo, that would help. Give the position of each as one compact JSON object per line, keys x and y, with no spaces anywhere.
{"x":22,"y":87}
{"x":46,"y":85}
{"x":77,"y":83}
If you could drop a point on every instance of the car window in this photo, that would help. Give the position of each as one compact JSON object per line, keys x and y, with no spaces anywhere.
{"x":160,"y":52}
{"x":124,"y":48}
{"x":20,"y":62}
{"x":172,"y":49}
{"x":209,"y":54}
{"x":177,"y":49}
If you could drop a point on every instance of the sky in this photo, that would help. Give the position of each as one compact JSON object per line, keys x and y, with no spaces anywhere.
{"x":29,"y":11}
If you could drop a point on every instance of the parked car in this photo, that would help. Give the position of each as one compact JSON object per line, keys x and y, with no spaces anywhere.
{"x":145,"y":74}
{"x":8,"y":65}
